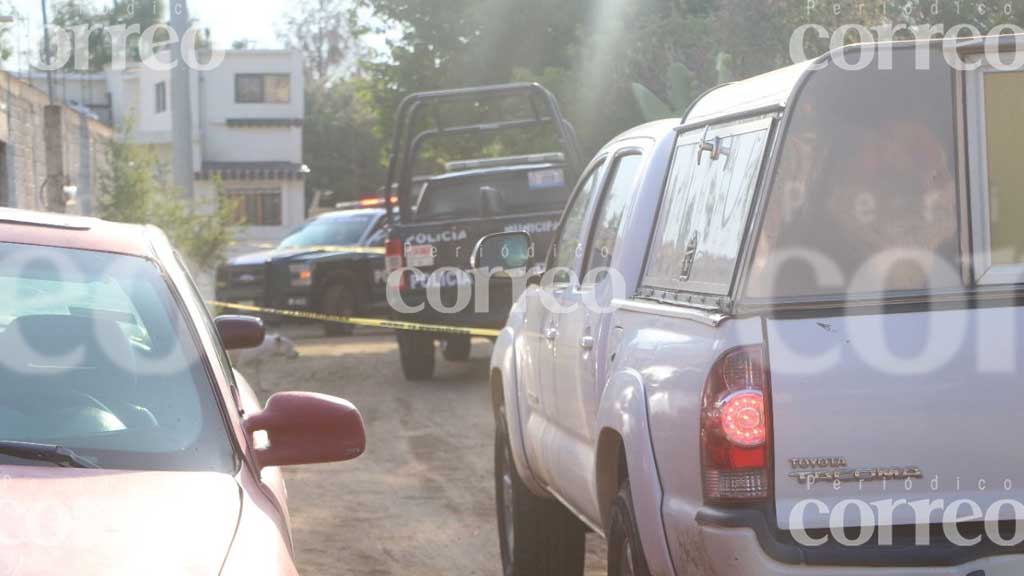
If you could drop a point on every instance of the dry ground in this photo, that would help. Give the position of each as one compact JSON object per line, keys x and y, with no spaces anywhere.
{"x":420,"y":502}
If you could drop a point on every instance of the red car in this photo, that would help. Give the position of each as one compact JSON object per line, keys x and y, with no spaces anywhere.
{"x":128,"y":445}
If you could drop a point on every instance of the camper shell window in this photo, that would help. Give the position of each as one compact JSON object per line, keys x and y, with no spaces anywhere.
{"x":706,"y":208}
{"x":995,"y":120}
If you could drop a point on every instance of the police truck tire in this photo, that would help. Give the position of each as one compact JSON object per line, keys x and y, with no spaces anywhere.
{"x":625,"y":552}
{"x":416,"y":351}
{"x":457,"y":348}
{"x":538,"y":536}
{"x":338,"y":300}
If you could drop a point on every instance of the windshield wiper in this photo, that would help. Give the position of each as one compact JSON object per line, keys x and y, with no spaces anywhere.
{"x":51,"y":453}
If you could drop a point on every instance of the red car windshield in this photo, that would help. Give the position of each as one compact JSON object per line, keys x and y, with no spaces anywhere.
{"x":99,"y":359}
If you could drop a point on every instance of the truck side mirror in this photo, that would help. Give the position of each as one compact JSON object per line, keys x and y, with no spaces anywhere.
{"x":503,"y":251}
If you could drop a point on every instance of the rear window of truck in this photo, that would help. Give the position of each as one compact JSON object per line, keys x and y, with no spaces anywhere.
{"x":529,"y":191}
{"x":864,"y":201}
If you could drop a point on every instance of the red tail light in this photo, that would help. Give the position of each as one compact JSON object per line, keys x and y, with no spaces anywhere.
{"x":736,"y":428}
{"x":394,"y":257}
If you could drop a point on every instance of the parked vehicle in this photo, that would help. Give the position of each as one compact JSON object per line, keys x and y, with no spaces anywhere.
{"x":818,"y":311}
{"x":127,"y":442}
{"x":333,"y":264}
{"x":474,"y":197}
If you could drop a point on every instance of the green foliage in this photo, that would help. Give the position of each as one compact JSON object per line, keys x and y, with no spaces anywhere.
{"x":132,"y":190}
{"x":650,"y":105}
{"x":326,"y":33}
{"x":70,"y":14}
{"x":653,"y":108}
{"x":339,"y":144}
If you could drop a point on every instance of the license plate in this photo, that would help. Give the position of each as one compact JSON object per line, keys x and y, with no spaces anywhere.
{"x":420,"y":256}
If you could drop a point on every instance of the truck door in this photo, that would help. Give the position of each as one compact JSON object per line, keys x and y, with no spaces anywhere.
{"x":580,"y":358}
{"x":557,"y":289}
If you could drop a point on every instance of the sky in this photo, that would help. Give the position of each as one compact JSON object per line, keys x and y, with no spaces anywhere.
{"x":228,"y":20}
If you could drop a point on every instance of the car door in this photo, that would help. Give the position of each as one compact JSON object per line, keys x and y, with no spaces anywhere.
{"x":540,"y":329}
{"x":576,"y":354}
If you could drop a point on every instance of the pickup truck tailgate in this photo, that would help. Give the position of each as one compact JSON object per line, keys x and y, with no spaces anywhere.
{"x":913,"y":406}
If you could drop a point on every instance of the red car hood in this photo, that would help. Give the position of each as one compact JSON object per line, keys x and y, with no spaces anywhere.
{"x":90,"y":522}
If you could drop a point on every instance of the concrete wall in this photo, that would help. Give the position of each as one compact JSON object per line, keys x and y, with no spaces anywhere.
{"x":43,"y":151}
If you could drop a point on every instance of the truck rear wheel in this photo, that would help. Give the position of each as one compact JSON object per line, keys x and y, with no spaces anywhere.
{"x":338,"y":300}
{"x":625,"y":553}
{"x":457,"y":348}
{"x":538,"y":536}
{"x":416,"y":351}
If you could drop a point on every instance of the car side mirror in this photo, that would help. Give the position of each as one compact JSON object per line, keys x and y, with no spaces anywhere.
{"x":307,"y":428}
{"x":240,"y":332}
{"x":503,"y":251}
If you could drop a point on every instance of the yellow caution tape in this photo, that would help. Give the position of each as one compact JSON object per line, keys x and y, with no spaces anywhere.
{"x":367,"y":322}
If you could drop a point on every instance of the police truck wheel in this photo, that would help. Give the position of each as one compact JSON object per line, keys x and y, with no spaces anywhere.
{"x":338,"y":301}
{"x":625,"y":554}
{"x":457,"y":348}
{"x":538,"y":536}
{"x":416,"y":350}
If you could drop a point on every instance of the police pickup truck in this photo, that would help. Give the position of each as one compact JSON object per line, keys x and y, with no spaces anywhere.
{"x":332,"y":264}
{"x":443,"y":216}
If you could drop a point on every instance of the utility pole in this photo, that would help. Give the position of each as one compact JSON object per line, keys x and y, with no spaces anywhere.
{"x":181,"y":104}
{"x":46,"y":53}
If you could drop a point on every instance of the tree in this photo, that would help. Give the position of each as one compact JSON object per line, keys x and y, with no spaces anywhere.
{"x":680,"y":95}
{"x":72,"y":14}
{"x":326,"y":33}
{"x":132,"y":190}
{"x":437,"y":44}
{"x":341,"y":148}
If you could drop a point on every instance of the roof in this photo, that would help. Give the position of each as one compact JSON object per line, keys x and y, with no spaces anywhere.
{"x":78,"y":232}
{"x":777,"y":89}
{"x":773,"y":89}
{"x":654,"y":130}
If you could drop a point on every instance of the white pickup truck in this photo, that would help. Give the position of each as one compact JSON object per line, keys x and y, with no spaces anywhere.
{"x":780,"y":337}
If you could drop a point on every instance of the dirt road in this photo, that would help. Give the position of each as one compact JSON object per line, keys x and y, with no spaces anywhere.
{"x":420,"y":502}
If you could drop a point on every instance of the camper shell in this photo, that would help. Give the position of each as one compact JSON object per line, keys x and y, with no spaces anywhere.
{"x":907,"y":105}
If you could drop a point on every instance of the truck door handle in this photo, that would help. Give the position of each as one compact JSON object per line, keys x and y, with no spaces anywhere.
{"x":551,"y":333}
{"x":587,"y":342}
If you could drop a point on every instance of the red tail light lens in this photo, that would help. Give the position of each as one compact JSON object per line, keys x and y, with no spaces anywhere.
{"x":394,"y":255}
{"x":736,"y":428}
{"x":394,"y":259}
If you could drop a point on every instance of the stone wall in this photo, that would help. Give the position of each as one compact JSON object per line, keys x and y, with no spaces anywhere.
{"x":45,"y":150}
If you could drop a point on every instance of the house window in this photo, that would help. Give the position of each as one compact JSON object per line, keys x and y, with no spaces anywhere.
{"x":257,"y":206}
{"x":996,"y":128}
{"x":161,"y":97}
{"x":263,"y":88}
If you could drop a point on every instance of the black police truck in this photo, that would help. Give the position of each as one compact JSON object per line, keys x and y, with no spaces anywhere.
{"x":464,"y":164}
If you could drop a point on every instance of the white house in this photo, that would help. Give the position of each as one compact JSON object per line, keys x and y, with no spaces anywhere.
{"x":247,"y":119}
